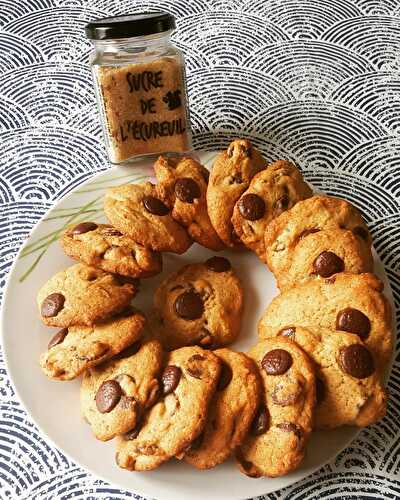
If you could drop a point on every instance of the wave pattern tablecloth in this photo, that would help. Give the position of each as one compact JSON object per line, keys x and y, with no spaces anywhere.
{"x":315,"y":81}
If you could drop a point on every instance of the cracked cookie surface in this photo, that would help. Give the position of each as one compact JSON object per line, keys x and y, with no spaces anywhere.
{"x":103,"y":246}
{"x":73,"y":350}
{"x":82,"y":295}
{"x":115,"y":395}
{"x":199,"y":304}
{"x":280,"y":431}
{"x":189,"y":382}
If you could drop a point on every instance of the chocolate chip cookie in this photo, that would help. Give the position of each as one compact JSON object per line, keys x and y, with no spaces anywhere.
{"x":231,"y":412}
{"x":73,"y":350}
{"x":138,"y":211}
{"x":188,"y":384}
{"x":183,"y":182}
{"x":82,"y":295}
{"x":115,"y":395}
{"x":349,"y":391}
{"x":276,"y":443}
{"x":321,"y":254}
{"x":309,"y":216}
{"x":199,"y":304}
{"x":230,"y":176}
{"x":272,"y":191}
{"x":347,"y":302}
{"x":103,"y":246}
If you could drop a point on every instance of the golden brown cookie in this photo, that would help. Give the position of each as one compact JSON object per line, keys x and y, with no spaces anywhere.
{"x":115,"y":395}
{"x":231,"y":412}
{"x":322,"y":254}
{"x":276,"y":443}
{"x":170,"y":426}
{"x":309,"y":216}
{"x":272,"y":191}
{"x":349,"y":391}
{"x":82,"y":295}
{"x":73,"y":350}
{"x":183,"y":182}
{"x":349,"y":302}
{"x":138,"y":211}
{"x":230,"y":176}
{"x":103,"y":246}
{"x":199,"y":304}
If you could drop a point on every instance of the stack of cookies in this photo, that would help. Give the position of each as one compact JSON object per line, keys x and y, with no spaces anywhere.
{"x":174,"y":388}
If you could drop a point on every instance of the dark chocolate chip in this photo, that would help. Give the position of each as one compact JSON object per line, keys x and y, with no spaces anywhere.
{"x":357,"y":361}
{"x":57,"y":338}
{"x":218,"y":264}
{"x":327,"y":264}
{"x":288,"y":331}
{"x":155,"y":206}
{"x":251,"y":206}
{"x":189,"y":305}
{"x":260,"y":422}
{"x":52,"y":305}
{"x":133,"y":434}
{"x":84,"y":227}
{"x":281,"y":204}
{"x":353,"y":321}
{"x":320,"y":390}
{"x":195,"y":368}
{"x":307,"y":232}
{"x":170,"y":379}
{"x":110,"y":231}
{"x":290,"y":427}
{"x":277,"y":362}
{"x":225,"y":377}
{"x":361,"y":232}
{"x":186,"y":189}
{"x":108,"y":396}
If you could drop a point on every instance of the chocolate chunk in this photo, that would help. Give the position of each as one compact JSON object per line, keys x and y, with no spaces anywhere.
{"x":307,"y":232}
{"x":277,"y":362}
{"x":155,"y":206}
{"x":353,"y":321}
{"x":218,"y":264}
{"x":357,"y":361}
{"x":288,"y":331}
{"x":84,"y":227}
{"x":170,"y":379}
{"x":361,"y":232}
{"x":328,"y":263}
{"x":251,"y":206}
{"x":57,"y":338}
{"x":320,"y":390}
{"x":260,"y":422}
{"x":133,"y":434}
{"x":108,"y":396}
{"x":189,"y":305}
{"x":186,"y":189}
{"x":225,"y":377}
{"x":290,"y":427}
{"x":194,"y":366}
{"x":111,"y":231}
{"x":281,"y":204}
{"x":52,"y":305}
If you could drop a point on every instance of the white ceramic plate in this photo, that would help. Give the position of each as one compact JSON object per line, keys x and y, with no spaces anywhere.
{"x":54,"y":406}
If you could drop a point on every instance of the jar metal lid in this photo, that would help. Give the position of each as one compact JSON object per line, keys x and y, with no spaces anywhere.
{"x":145,"y":23}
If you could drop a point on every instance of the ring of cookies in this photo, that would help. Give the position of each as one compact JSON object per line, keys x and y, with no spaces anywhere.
{"x":173,"y":388}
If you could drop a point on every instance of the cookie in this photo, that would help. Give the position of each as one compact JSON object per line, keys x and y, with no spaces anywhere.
{"x":138,"y":211}
{"x":188,"y":384}
{"x":280,"y":431}
{"x":82,"y":295}
{"x":272,"y":191}
{"x":322,"y":254}
{"x":73,"y":350}
{"x":230,"y":176}
{"x":115,"y":395}
{"x":348,"y":302}
{"x":183,"y":182}
{"x":349,"y":391}
{"x":309,"y":216}
{"x":103,"y":246}
{"x":231,"y":412}
{"x":199,"y":304}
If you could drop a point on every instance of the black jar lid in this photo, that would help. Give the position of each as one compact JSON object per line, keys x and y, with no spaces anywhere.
{"x":145,"y":23}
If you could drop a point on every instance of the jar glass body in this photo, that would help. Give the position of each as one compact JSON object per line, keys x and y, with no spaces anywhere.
{"x":140,"y":86}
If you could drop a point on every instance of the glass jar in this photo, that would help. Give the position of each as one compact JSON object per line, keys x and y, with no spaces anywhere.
{"x":140,"y":86}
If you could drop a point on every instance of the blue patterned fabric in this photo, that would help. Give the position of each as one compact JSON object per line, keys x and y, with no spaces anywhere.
{"x":315,"y":81}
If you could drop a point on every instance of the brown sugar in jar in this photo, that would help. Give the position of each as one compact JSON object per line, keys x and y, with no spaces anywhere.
{"x":140,"y":85}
